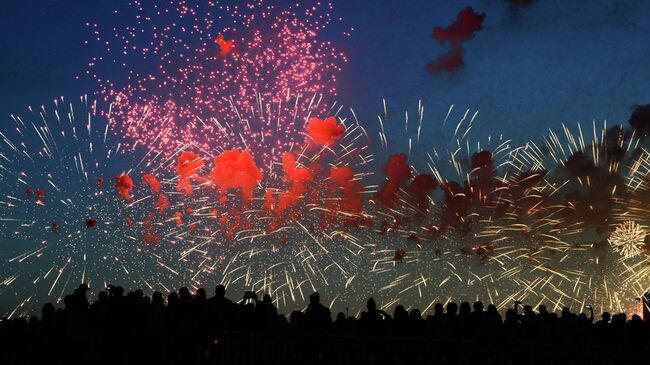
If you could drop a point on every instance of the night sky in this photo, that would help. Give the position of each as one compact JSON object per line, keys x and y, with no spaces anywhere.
{"x":532,"y":66}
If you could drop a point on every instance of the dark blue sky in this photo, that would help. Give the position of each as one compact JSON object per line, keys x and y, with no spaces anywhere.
{"x":528,"y":69}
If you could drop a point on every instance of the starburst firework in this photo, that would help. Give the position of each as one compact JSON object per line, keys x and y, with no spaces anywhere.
{"x":628,"y":239}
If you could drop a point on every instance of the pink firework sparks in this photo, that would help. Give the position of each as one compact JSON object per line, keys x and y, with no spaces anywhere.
{"x":215,"y":75}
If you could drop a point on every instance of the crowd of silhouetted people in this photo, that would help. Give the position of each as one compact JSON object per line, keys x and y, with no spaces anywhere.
{"x":194,"y":327}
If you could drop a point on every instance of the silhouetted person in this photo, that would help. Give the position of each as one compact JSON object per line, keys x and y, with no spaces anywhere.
{"x":604,"y":320}
{"x":134,"y":328}
{"x":400,"y":314}
{"x":372,"y":315}
{"x":266,"y":313}
{"x":317,"y":314}
{"x":222,"y":310}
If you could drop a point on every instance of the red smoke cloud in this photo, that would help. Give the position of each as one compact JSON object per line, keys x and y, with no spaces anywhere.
{"x":463,"y":28}
{"x":162,"y":204}
{"x":269,"y":201}
{"x":236,"y":169}
{"x":188,"y":165}
{"x":297,"y":178}
{"x":225,"y":46}
{"x":397,"y":173}
{"x":100,"y":183}
{"x":91,"y":223}
{"x":399,"y":255}
{"x":342,"y":178}
{"x":150,"y":237}
{"x":467,"y":22}
{"x":460,"y":200}
{"x":178,"y":218}
{"x":449,"y":62}
{"x":419,"y":190}
{"x":152,"y":182}
{"x":124,"y":185}
{"x":55,"y":227}
{"x":40,"y":196}
{"x":324,"y":132}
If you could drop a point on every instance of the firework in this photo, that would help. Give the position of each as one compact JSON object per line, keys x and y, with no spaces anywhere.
{"x":587,"y":191}
{"x":428,"y":246}
{"x":209,"y":69}
{"x":628,"y":239}
{"x":487,"y":221}
{"x":288,"y":230}
{"x":62,"y":217}
{"x":514,"y":223}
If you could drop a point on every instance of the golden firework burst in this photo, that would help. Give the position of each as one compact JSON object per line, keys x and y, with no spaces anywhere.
{"x":628,"y":238}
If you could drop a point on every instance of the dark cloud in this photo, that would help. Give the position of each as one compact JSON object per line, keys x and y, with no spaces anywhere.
{"x":463,"y":28}
{"x":640,"y":120}
{"x":449,"y":62}
{"x":419,"y":191}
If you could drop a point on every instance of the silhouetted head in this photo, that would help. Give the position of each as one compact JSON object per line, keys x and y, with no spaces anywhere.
{"x":184,"y":294}
{"x":314,"y":298}
{"x":372,"y":306}
{"x":452,"y":308}
{"x":172,"y":298}
{"x":542,"y":309}
{"x":119,"y":291}
{"x":566,"y":312}
{"x":67,"y":301}
{"x":296,"y":317}
{"x":282,"y":319}
{"x":267,"y":299}
{"x":464,"y":308}
{"x":399,"y":313}
{"x":415,"y":315}
{"x":200,"y":294}
{"x":438,"y":308}
{"x":511,"y":315}
{"x":528,"y":310}
{"x":220,"y":291}
{"x":478,"y":306}
{"x":157,"y":297}
{"x":492,"y":309}
{"x":83,"y":288}
{"x":48,"y":311}
{"x":340,"y":317}
{"x":606,"y":316}
{"x":102,"y":296}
